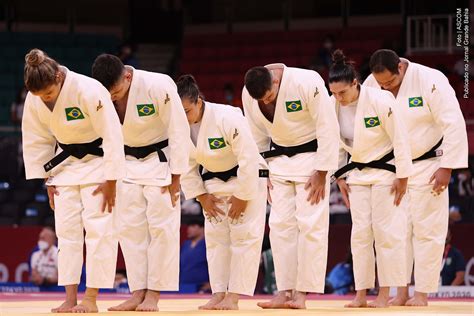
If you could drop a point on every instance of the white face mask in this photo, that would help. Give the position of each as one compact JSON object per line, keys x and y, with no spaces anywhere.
{"x":43,"y":245}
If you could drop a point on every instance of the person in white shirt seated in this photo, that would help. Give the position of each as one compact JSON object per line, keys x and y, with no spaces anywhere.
{"x":44,"y":261}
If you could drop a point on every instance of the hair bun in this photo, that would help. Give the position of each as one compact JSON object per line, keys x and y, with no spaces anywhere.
{"x":187,"y":79}
{"x":35,"y":57}
{"x":338,"y":57}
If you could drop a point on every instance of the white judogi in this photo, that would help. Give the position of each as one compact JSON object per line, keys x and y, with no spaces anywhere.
{"x":298,"y":230}
{"x":147,"y":222}
{"x":83,"y":112}
{"x":430,"y":111}
{"x":378,"y":129}
{"x":233,"y":250}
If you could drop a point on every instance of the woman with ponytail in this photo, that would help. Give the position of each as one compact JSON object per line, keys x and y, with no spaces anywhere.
{"x":373,"y":182}
{"x":72,"y":138}
{"x":225,"y":178}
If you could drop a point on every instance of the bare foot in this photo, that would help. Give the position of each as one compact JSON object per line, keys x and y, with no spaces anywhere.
{"x":398,"y":301}
{"x":150,"y":303}
{"x":356,"y":303}
{"x":280,"y":300}
{"x":86,"y":306}
{"x":420,"y":299}
{"x":380,"y":302}
{"x":359,"y":301}
{"x":298,"y":301}
{"x":215,"y":299}
{"x":65,"y":307}
{"x":230,"y":302}
{"x":130,"y":304}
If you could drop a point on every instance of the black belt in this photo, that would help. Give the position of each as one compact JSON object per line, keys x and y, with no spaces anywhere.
{"x":78,"y":151}
{"x":143,"y":151}
{"x":226,"y":175}
{"x":377,"y":164}
{"x":433,"y":152}
{"x":277,"y":150}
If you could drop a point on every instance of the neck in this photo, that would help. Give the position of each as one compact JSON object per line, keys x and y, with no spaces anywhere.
{"x":197,"y":238}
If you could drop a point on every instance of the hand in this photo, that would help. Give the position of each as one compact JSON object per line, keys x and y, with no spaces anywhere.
{"x":316,"y":186}
{"x":209,"y":204}
{"x":51,"y":193}
{"x":269,"y":188}
{"x":441,"y":179}
{"x":345,"y":190}
{"x":36,"y":278}
{"x":399,"y":187}
{"x":237,"y":209}
{"x":174,"y":189}
{"x":108,"y":189}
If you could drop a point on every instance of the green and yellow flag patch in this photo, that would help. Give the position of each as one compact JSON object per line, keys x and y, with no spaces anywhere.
{"x":415,"y":102}
{"x":371,"y":121}
{"x":293,"y":106}
{"x":145,"y":109}
{"x":74,"y":113}
{"x":216,"y":143}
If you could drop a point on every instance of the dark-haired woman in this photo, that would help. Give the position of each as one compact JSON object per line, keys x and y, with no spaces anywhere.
{"x":71,"y":115}
{"x":374,"y":182}
{"x":225,"y":178}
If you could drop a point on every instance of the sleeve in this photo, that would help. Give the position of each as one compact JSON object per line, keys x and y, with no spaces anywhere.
{"x":106,"y":123}
{"x":191,"y":181}
{"x":393,"y":125}
{"x":259,"y":133}
{"x":447,"y":114}
{"x":38,"y":143}
{"x":172,"y":113}
{"x":244,"y":148}
{"x":323,"y":113}
{"x":34,"y":260}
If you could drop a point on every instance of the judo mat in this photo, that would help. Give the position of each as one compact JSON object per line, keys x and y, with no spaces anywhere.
{"x":21,"y":304}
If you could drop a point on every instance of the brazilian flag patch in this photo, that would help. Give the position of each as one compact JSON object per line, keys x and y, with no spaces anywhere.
{"x":415,"y":102}
{"x":293,"y":106}
{"x":74,"y":113}
{"x":216,"y":143}
{"x":145,"y":109}
{"x":371,"y":121}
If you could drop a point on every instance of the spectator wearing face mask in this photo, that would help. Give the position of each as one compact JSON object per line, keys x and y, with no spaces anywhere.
{"x":44,"y":261}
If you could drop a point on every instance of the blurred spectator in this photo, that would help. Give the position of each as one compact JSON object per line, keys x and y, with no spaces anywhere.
{"x":193,"y":273}
{"x":230,"y":96}
{"x":459,"y":68}
{"x":44,"y":261}
{"x":269,"y":282}
{"x":323,"y":59}
{"x":190,"y":207}
{"x":16,"y":109}
{"x":454,"y":265}
{"x":341,"y":278}
{"x":127,"y":55}
{"x":120,"y":278}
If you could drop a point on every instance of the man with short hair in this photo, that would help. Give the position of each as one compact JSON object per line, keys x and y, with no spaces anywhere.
{"x":155,"y":131}
{"x":296,"y":130}
{"x":438,"y":142}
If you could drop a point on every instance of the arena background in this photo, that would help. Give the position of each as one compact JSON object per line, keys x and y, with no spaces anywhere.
{"x":217,"y":41}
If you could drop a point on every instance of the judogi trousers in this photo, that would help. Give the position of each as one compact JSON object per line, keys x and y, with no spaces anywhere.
{"x":428,"y":219}
{"x":375,"y":219}
{"x":77,"y":209}
{"x":149,"y":232}
{"x":298,"y":237}
{"x":234,"y":250}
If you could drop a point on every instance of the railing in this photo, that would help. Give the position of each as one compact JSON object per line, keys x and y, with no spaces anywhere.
{"x":431,"y":33}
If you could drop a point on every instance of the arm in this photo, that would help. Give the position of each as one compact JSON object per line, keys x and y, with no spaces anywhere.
{"x":191,"y":181}
{"x":106,"y":124}
{"x":173,"y":117}
{"x":38,"y":142}
{"x":244,"y":148}
{"x":447,"y":114}
{"x":323,"y":113}
{"x":393,"y":125}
